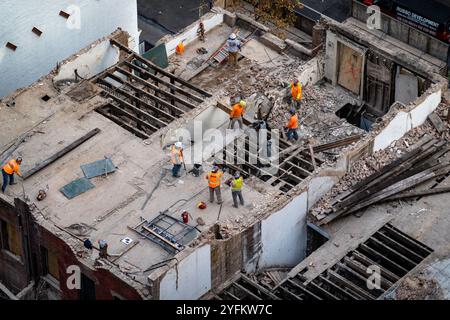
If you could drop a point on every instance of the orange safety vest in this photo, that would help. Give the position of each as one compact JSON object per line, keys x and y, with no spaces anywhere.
{"x":11,"y":167}
{"x":293,"y":122}
{"x":237,"y":111}
{"x":177,"y":155}
{"x":296,"y":91}
{"x":180,"y":48}
{"x":214,"y":179}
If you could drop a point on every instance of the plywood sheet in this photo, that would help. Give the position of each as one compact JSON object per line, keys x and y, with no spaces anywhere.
{"x":350,"y":69}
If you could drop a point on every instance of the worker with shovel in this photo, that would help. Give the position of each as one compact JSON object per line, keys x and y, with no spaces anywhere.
{"x":214,"y":184}
{"x":8,"y":170}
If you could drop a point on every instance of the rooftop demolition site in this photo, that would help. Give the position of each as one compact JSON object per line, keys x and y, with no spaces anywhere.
{"x":365,"y":185}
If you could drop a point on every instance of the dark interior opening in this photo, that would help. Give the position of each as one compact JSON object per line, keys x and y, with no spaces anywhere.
{"x":46,"y":98}
{"x":315,"y":238}
{"x":359,"y":116}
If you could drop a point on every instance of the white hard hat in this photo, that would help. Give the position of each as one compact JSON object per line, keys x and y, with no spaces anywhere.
{"x":233,"y":36}
{"x":178,"y":145}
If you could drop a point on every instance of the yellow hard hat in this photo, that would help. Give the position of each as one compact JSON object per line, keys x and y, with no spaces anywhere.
{"x":243,"y":103}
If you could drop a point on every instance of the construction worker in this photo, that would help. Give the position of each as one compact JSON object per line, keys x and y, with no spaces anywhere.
{"x":233,"y":46}
{"x":236,"y":114}
{"x":296,"y":91}
{"x":236,"y":189}
{"x":8,"y":170}
{"x":179,"y":50}
{"x":292,"y":126}
{"x":214,"y":184}
{"x":177,"y":158}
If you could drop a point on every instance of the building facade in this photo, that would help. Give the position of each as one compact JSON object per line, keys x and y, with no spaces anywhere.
{"x":37,"y":35}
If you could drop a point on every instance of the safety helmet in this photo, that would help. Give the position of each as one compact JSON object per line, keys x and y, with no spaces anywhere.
{"x":243,"y":103}
{"x":19,"y":159}
{"x":292,"y":111}
{"x":215,"y":168}
{"x":237,"y":174}
{"x":232,"y":36}
{"x":201,"y":205}
{"x":178,"y":145}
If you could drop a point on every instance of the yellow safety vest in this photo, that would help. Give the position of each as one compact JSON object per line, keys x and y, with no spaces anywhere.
{"x":237,"y":184}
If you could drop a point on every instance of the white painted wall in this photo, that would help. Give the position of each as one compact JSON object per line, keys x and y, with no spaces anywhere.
{"x":283,"y":235}
{"x":210,"y":21}
{"x":194,"y":277}
{"x":403,"y":122}
{"x":90,"y":63}
{"x":37,"y":56}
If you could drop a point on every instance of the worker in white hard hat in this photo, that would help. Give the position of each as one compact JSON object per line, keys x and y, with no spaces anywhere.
{"x":177,"y":158}
{"x":237,"y":113}
{"x":233,"y":46}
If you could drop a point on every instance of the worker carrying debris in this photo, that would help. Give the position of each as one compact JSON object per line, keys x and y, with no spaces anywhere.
{"x":296,"y":91}
{"x":236,"y":114}
{"x":177,"y":158}
{"x":292,"y":126}
{"x":8,"y":170}
{"x":233,"y":46}
{"x":214,"y":184}
{"x":236,"y":189}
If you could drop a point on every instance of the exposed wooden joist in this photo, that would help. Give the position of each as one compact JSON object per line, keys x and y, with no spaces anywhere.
{"x":171,"y":76}
{"x":128,"y":105}
{"x":139,"y":133}
{"x":148,"y":95}
{"x":174,"y":89}
{"x":131,"y":116}
{"x":155,"y":88}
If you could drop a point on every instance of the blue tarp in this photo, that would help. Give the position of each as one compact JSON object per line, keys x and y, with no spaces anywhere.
{"x":98,"y":168}
{"x":76,"y":187}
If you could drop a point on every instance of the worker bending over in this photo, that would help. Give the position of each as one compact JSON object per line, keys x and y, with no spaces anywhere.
{"x":233,"y":46}
{"x":214,"y":184}
{"x":292,"y":126}
{"x":236,"y":114}
{"x":236,"y":189}
{"x":177,"y":158}
{"x":296,"y":91}
{"x":8,"y":170}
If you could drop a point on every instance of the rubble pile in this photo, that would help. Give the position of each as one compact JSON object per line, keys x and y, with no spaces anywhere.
{"x":368,"y":165}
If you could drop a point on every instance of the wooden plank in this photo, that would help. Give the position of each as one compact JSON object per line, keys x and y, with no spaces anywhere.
{"x":437,"y":123}
{"x":401,"y":186}
{"x":161,"y":238}
{"x":416,"y":194}
{"x":303,"y":289}
{"x":337,"y":143}
{"x":60,"y":153}
{"x":131,"y":116}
